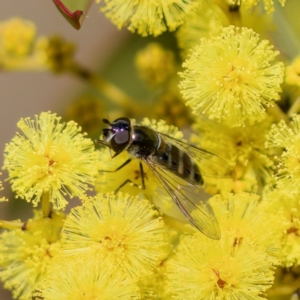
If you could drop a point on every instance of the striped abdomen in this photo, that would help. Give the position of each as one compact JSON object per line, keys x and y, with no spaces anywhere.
{"x":179,"y":162}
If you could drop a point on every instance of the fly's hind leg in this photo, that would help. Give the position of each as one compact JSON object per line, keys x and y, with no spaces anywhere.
{"x":142,"y":176}
{"x":128,"y":180}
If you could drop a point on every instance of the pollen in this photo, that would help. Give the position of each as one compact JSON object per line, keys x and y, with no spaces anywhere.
{"x":55,"y":53}
{"x":287,"y":138}
{"x":155,"y":64}
{"x":231,"y":77}
{"x":250,"y":164}
{"x":118,"y":227}
{"x":250,"y":4}
{"x":25,"y":256}
{"x":207,"y":269}
{"x":83,"y":278}
{"x":286,"y":207}
{"x":206,"y":19}
{"x":17,"y":37}
{"x":147,"y":17}
{"x":50,"y":157}
{"x":2,"y":199}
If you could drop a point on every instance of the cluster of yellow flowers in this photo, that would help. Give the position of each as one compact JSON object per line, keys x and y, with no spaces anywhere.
{"x":21,"y":49}
{"x":135,"y":243}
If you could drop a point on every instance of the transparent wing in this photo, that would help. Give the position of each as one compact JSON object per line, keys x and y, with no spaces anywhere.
{"x":186,"y":195}
{"x":211,"y":165}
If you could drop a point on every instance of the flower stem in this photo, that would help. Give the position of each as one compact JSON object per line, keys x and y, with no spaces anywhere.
{"x":295,"y":108}
{"x":284,"y":289}
{"x":235,"y":15}
{"x":112,"y":92}
{"x":276,"y":112}
{"x":46,"y":209}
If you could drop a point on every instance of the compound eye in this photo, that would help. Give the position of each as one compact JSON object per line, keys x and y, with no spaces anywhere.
{"x":120,"y":140}
{"x":121,"y":137}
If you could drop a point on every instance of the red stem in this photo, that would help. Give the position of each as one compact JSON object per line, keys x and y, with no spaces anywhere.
{"x":73,"y":18}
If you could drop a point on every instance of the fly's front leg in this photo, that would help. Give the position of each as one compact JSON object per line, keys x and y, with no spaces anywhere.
{"x":128,"y":180}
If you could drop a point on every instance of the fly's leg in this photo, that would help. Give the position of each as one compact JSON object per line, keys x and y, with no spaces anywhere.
{"x":118,"y":168}
{"x":142,"y":176}
{"x":125,"y":182}
{"x":128,"y":180}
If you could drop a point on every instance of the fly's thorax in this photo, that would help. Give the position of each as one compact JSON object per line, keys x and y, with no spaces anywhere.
{"x":144,"y":141}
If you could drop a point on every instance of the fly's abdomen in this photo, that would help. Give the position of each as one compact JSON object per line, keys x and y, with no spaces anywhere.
{"x":179,"y":162}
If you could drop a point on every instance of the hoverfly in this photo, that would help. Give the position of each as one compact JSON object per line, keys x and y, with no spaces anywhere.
{"x":174,"y":164}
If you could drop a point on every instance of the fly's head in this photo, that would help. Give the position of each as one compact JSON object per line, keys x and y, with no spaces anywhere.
{"x":118,"y":136}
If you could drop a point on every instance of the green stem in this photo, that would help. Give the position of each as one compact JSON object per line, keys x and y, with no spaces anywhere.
{"x":285,"y":289}
{"x":109,"y":90}
{"x":295,"y":108}
{"x":11,"y":224}
{"x":282,"y":290}
{"x":46,"y":209}
{"x":276,"y":112}
{"x":235,"y":15}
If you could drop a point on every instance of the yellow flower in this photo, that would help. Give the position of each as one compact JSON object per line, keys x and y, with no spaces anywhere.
{"x":163,"y":127}
{"x":208,"y":269}
{"x":88,"y":111}
{"x":2,"y":199}
{"x":17,"y":45}
{"x":25,"y":255}
{"x":117,"y":227}
{"x":210,"y":16}
{"x":50,"y":157}
{"x":244,"y":216}
{"x":288,"y":138}
{"x":268,"y":4}
{"x":86,"y":278}
{"x":110,"y":181}
{"x":17,"y":37}
{"x":171,"y":108}
{"x":243,"y":148}
{"x":205,"y":19}
{"x":153,"y":287}
{"x":55,"y":53}
{"x":287,"y":211}
{"x":147,"y":17}
{"x":238,"y":266}
{"x":155,"y":64}
{"x":232,"y":77}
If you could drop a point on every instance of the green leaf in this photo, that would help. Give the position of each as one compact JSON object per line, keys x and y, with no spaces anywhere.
{"x":74,"y":11}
